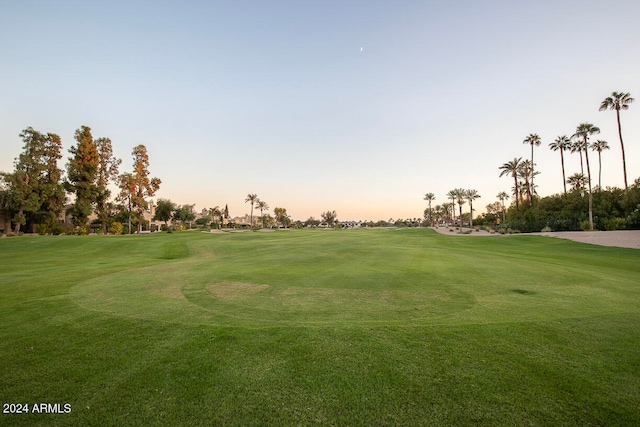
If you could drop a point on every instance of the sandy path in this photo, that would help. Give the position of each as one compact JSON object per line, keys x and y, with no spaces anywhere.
{"x":618,"y":238}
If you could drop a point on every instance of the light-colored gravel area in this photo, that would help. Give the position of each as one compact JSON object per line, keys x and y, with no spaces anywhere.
{"x":450,"y":231}
{"x":618,"y":238}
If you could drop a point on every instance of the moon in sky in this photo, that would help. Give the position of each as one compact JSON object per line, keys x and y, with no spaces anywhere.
{"x":361,"y":49}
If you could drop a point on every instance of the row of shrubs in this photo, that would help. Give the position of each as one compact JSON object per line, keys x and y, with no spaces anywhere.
{"x":520,"y":225}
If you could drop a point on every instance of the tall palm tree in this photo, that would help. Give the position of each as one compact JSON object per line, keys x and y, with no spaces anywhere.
{"x":263,"y":206}
{"x":600,"y":146}
{"x":216,"y":215}
{"x":253,"y":198}
{"x":439,"y":212}
{"x":460,"y":198}
{"x":511,"y":168}
{"x":502,"y":196}
{"x":562,"y":144}
{"x":532,"y":139}
{"x":577,"y":181}
{"x":471,"y":195}
{"x":584,"y":130}
{"x":619,"y":101}
{"x":446,"y":210}
{"x":452,"y":195}
{"x":576,"y":147}
{"x":430,"y":197}
{"x":525,"y":172}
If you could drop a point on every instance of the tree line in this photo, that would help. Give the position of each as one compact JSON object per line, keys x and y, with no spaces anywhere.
{"x":35,"y":193}
{"x":584,"y":206}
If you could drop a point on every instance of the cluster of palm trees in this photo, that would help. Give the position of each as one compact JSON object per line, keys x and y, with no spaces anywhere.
{"x":523,"y":173}
{"x":259,"y":204}
{"x":447,"y":210}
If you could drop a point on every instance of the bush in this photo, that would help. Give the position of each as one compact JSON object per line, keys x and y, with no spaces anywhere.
{"x":585,"y":225}
{"x":116,"y":228}
{"x":57,"y":229}
{"x":633,"y":220}
{"x":42,"y":229}
{"x":615,"y":224}
{"x":547,"y":229}
{"x":81,"y":231}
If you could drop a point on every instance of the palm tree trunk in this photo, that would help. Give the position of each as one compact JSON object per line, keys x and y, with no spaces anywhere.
{"x":586,"y":156}
{"x":624,"y":161}
{"x":470,"y":214}
{"x":599,"y":171}
{"x":16,"y":230}
{"x":129,"y":215}
{"x":453,"y":211}
{"x":531,"y":187}
{"x":564,"y":178}
{"x":581,"y":164}
{"x":515,"y":179}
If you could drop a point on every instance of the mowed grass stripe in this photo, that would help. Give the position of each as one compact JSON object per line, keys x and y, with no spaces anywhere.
{"x":324,"y":278}
{"x":380,"y":327}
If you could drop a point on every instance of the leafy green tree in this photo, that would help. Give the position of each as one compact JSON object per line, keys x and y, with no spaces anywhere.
{"x":281,"y":217}
{"x":34,"y":187}
{"x":51,"y":189}
{"x":600,"y":146}
{"x":583,"y":131}
{"x":471,"y":195}
{"x":107,"y":173}
{"x":532,"y":139}
{"x":430,"y":197}
{"x":204,"y":221}
{"x":82,"y":174}
{"x":127,"y":185}
{"x":267,"y":221}
{"x":562,"y":144}
{"x":145,"y":186}
{"x":137,"y":186}
{"x":619,"y":101}
{"x":512,"y":168}
{"x":164,"y":211}
{"x":312,"y":222}
{"x":184,"y":214}
{"x":263,"y":206}
{"x":253,"y":198}
{"x":330,"y":217}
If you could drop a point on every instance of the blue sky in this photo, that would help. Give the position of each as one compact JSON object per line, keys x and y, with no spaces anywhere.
{"x":276,"y":97}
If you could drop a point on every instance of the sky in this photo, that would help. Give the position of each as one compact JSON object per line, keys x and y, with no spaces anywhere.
{"x":360,"y":107}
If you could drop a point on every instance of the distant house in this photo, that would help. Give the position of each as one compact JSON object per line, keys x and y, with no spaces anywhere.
{"x":242,"y":221}
{"x":351,"y":224}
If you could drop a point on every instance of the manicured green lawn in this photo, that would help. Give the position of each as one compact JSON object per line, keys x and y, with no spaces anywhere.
{"x":362,"y":327}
